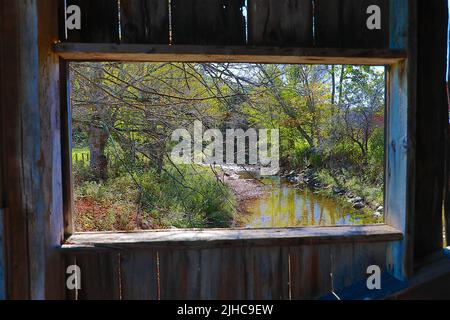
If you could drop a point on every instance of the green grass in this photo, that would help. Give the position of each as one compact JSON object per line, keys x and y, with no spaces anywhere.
{"x":78,"y":153}
{"x":183,"y":197}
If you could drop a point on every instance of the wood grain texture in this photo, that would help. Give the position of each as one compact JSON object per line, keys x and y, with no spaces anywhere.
{"x":310,"y":271}
{"x":180,"y":274}
{"x":50,"y":156}
{"x":99,"y":22}
{"x":24,"y":221}
{"x":402,"y":23}
{"x":223,"y":274}
{"x":192,"y":238}
{"x":343,"y":24}
{"x":66,"y":150}
{"x":208,"y":22}
{"x":99,"y":276}
{"x":311,"y":267}
{"x":280,"y":23}
{"x":144,"y":21}
{"x":182,"y":53}
{"x":398,"y":171}
{"x":139,"y":275}
{"x":267,"y":271}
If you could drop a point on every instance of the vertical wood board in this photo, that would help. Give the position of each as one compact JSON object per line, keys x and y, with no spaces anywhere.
{"x":144,"y":21}
{"x":208,"y":22}
{"x":280,"y":23}
{"x":139,"y":275}
{"x":99,"y":21}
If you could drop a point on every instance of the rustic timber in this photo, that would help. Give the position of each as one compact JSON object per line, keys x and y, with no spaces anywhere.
{"x":144,"y":21}
{"x":50,"y":154}
{"x":31,"y":152}
{"x":255,"y":272}
{"x":139,"y":275}
{"x":342,"y":24}
{"x":230,"y":237}
{"x":99,"y":276}
{"x":179,"y":53}
{"x":66,"y":149}
{"x":208,"y":22}
{"x":400,"y":141}
{"x":287,"y":23}
{"x":99,"y":21}
{"x":24,"y":220}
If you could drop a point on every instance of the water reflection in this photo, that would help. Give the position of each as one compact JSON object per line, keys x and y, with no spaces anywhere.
{"x":286,"y":206}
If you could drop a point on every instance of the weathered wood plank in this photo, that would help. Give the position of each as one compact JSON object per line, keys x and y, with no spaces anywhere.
{"x":99,"y":276}
{"x":328,"y":23}
{"x":223,"y":274}
{"x":208,"y":22}
{"x":400,"y":138}
{"x":25,"y":219}
{"x":230,"y":237}
{"x":310,"y":268}
{"x":66,"y":150}
{"x":398,"y":170}
{"x":179,"y":274}
{"x":343,"y":24}
{"x":267,"y":272}
{"x":50,"y":156}
{"x":139,"y":275}
{"x":402,"y":23}
{"x":181,"y":53}
{"x":69,"y":260}
{"x":144,"y":21}
{"x":99,"y":22}
{"x":280,"y":23}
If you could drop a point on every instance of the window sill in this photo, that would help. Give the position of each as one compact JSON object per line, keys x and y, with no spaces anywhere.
{"x":200,"y":53}
{"x":231,"y":237}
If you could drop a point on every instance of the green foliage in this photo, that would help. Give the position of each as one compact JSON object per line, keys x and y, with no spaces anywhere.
{"x":328,"y":117}
{"x":180,"y":197}
{"x":192,"y":195}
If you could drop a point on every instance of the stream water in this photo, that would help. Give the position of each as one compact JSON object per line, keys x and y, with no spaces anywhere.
{"x":283,"y":205}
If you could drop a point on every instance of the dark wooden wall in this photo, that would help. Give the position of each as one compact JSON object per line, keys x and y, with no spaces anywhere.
{"x":30,"y":150}
{"x":431,"y":125}
{"x":227,"y":264}
{"x":284,"y":23}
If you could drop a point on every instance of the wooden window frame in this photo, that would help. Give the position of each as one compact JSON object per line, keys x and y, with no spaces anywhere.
{"x":396,"y":211}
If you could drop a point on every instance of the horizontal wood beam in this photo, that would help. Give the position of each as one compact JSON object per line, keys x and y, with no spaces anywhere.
{"x":230,"y":237}
{"x":189,"y":53}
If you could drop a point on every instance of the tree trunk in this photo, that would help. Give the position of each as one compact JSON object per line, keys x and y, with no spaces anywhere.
{"x":98,"y":137}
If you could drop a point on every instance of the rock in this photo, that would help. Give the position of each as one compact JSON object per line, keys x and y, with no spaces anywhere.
{"x":379,"y":209}
{"x":356,"y":200}
{"x":377,"y":214}
{"x":358,"y":205}
{"x":291,"y":173}
{"x":338,"y":191}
